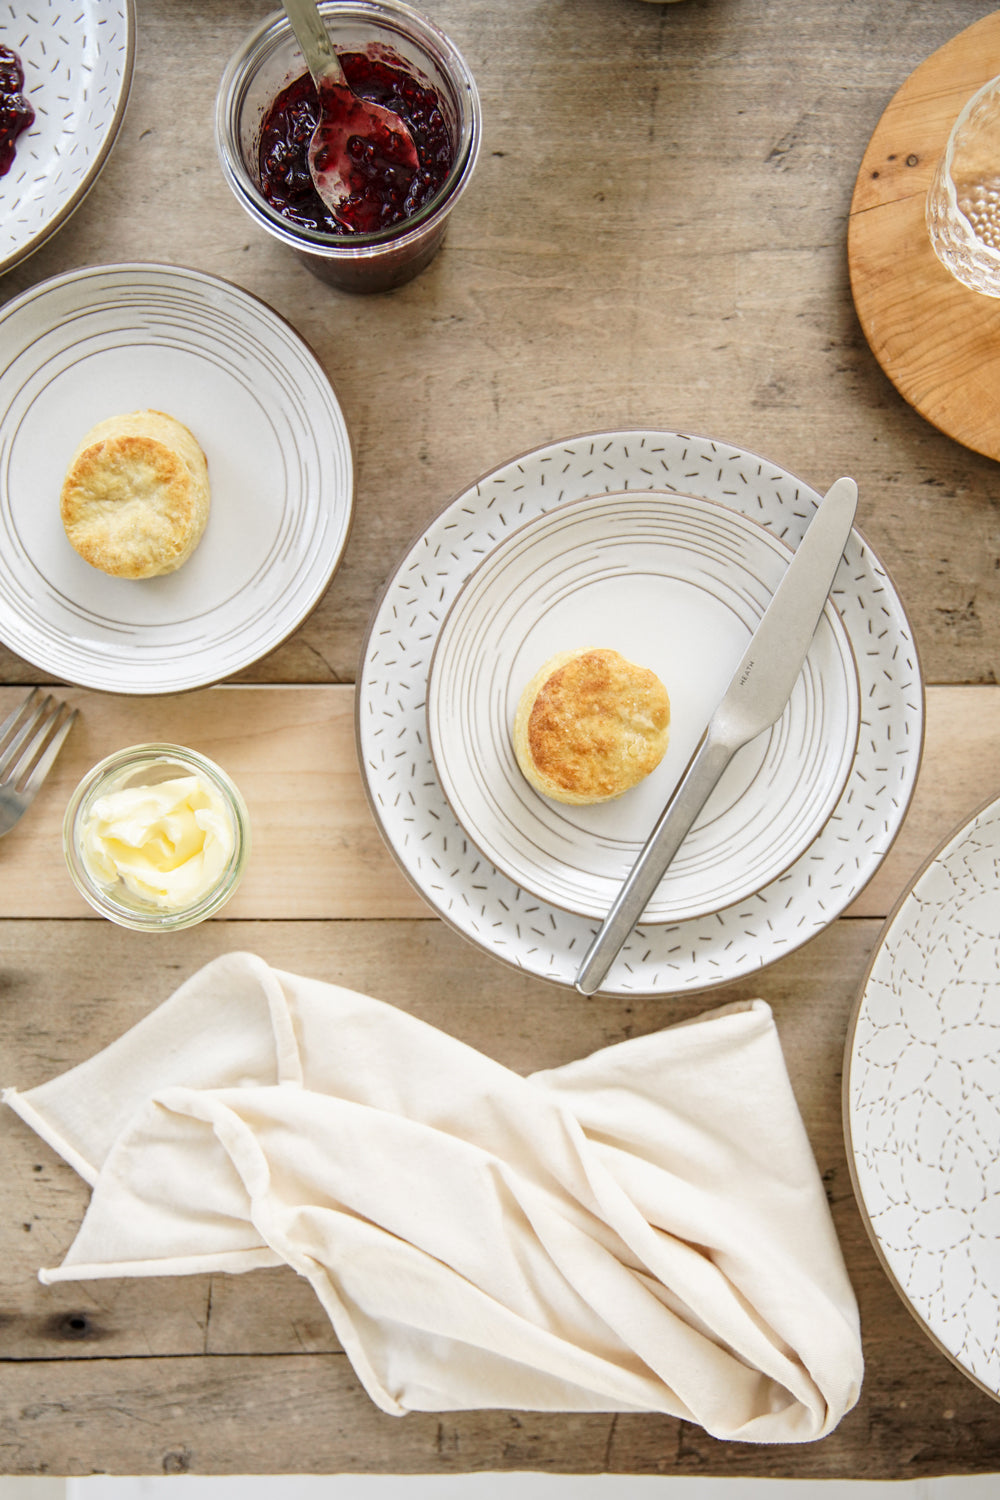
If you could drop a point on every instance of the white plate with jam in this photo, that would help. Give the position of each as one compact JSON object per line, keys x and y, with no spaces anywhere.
{"x":447,"y":867}
{"x":77,"y":65}
{"x":676,"y":584}
{"x":114,"y":339}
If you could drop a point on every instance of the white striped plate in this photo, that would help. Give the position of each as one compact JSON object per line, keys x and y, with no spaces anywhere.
{"x":114,"y":339}
{"x":677,"y":584}
{"x":77,"y":60}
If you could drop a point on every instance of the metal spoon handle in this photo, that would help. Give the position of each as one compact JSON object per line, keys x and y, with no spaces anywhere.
{"x":314,"y":39}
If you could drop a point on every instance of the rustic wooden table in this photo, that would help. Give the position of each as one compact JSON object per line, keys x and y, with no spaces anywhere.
{"x":655,"y":238}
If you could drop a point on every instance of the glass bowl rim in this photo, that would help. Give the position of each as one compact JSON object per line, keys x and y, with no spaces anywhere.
{"x":92,"y":784}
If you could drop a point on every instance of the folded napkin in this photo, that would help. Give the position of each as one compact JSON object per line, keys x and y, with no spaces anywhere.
{"x":642,"y":1230}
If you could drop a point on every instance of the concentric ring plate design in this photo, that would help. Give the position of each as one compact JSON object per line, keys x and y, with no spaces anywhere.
{"x":116,"y":339}
{"x":922,"y":1098}
{"x":677,"y":584}
{"x":77,"y":61}
{"x":499,"y":915}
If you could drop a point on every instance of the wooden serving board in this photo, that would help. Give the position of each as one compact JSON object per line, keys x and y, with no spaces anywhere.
{"x":938,"y":342}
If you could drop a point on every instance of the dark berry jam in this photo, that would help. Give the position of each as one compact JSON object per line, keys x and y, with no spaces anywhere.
{"x":384,"y":188}
{"x":16,"y":114}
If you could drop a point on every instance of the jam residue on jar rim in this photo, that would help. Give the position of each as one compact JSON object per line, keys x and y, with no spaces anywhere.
{"x":384,"y":196}
{"x":16,"y":114}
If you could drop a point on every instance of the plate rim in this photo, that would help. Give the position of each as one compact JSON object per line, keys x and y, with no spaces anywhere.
{"x":516,"y":460}
{"x":69,"y":208}
{"x":951,"y":839}
{"x":195,"y":275}
{"x":772,"y":539}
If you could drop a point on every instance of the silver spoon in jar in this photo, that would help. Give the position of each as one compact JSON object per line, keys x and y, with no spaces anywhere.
{"x":344,"y":116}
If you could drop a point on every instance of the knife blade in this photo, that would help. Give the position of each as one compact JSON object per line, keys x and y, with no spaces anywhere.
{"x":756,"y":696}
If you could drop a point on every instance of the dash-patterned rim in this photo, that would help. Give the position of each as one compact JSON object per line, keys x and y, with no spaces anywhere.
{"x":77,"y":62}
{"x":499,"y":915}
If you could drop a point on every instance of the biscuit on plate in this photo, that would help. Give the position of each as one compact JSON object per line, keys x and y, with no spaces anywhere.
{"x":590,"y":725}
{"x":136,"y":496}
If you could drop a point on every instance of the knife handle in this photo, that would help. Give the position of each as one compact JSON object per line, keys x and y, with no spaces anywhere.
{"x":706,"y":765}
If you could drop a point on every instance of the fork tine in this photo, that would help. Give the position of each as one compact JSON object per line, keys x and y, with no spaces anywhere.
{"x":13,"y":717}
{"x":18,"y":728}
{"x":22,"y":750}
{"x":46,"y":761}
{"x":44,"y":748}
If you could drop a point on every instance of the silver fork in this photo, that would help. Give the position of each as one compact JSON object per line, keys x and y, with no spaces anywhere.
{"x":30,"y":739}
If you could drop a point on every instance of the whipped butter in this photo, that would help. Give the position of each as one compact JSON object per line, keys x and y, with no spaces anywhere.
{"x":168,"y":842}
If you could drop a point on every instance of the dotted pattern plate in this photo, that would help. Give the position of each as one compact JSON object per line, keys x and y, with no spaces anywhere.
{"x":77,"y":60}
{"x":922,"y":1098}
{"x":112,"y":339}
{"x":678,"y":585}
{"x":442,"y":861}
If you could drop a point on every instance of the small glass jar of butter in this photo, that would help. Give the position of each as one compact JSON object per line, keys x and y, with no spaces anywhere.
{"x":156,"y":837}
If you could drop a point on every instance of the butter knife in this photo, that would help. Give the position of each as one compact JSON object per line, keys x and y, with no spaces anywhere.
{"x":756,"y":696}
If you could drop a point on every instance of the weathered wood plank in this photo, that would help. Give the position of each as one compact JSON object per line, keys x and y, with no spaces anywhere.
{"x":959,"y":771}
{"x":655,"y":236}
{"x":48,"y":1023}
{"x":317,"y":852}
{"x":526,"y":1024}
{"x":315,"y":849}
{"x":308,"y":1415}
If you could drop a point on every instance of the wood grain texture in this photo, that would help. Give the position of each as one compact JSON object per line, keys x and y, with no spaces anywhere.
{"x":227,"y":1374}
{"x":308,"y":1415}
{"x":315,"y":849}
{"x":938,"y":342}
{"x":655,"y":236}
{"x":317,"y":852}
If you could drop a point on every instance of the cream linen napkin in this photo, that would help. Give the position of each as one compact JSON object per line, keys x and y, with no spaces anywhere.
{"x":642,"y":1230}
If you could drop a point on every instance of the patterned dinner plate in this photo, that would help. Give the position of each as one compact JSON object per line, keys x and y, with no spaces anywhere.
{"x":677,"y":584}
{"x":77,"y":61}
{"x":114,"y":339}
{"x":497,"y":913}
{"x":922,"y":1098}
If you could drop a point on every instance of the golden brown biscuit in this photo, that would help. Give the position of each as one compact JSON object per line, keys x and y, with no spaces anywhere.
{"x":136,"y":496}
{"x":590,"y":725}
